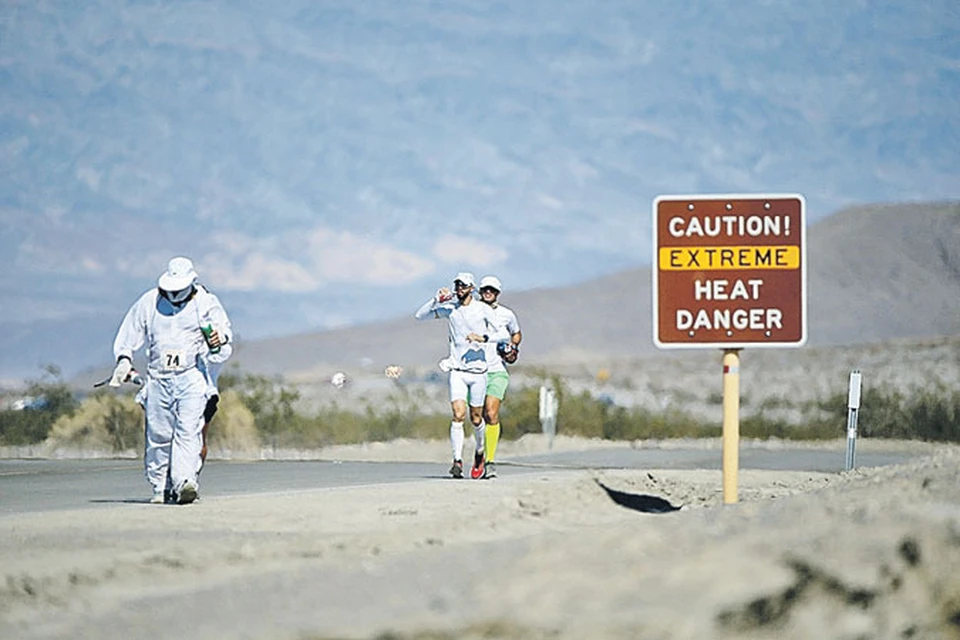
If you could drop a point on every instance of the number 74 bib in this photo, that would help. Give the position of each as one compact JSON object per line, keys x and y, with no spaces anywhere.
{"x":173,"y":360}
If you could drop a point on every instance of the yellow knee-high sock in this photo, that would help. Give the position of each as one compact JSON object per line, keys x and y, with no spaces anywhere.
{"x":492,"y":436}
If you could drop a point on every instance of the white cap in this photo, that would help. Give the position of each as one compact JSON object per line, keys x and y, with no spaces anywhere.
{"x":179,"y":275}
{"x":491,"y":281}
{"x":465,"y":277}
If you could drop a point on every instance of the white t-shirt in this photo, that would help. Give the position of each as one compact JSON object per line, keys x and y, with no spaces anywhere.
{"x":507,"y":324}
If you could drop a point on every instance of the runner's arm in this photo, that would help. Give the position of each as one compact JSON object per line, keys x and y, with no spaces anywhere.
{"x":513,"y":327}
{"x":130,"y":335}
{"x":431,"y":308}
{"x":217,"y":316}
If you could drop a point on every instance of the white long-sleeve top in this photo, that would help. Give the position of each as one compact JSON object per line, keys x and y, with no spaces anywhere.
{"x":463,"y":320}
{"x":174,"y":342}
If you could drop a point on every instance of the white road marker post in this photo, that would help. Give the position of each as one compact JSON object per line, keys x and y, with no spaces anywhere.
{"x":853,"y":410}
{"x":731,"y":424}
{"x":548,"y":413}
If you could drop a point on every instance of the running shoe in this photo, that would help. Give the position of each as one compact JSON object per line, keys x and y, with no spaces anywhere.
{"x":188,"y":493}
{"x":457,"y":469}
{"x":490,"y":470}
{"x":159,"y":497}
{"x":477,"y":472}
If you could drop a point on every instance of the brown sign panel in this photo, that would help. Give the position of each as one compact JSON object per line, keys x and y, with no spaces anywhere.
{"x":729,"y":271}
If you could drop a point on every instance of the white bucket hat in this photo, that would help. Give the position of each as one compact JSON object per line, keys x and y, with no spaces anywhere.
{"x":491,"y":281}
{"x":178,"y":276}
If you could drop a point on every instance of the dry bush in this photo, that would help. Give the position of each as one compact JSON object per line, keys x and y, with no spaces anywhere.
{"x":233,"y":432}
{"x":104,"y":421}
{"x":111,"y":422}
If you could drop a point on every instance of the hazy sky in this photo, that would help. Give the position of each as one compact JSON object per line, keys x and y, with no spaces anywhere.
{"x":333,"y":163}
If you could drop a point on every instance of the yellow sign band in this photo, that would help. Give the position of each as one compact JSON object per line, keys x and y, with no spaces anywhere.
{"x":724,"y":258}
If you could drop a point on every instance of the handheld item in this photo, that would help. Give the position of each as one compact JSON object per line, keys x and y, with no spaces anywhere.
{"x":508,"y":351}
{"x":135,"y":378}
{"x":207,"y":330}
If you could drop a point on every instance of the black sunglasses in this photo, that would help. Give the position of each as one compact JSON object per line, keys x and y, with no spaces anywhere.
{"x":488,"y":290}
{"x":461,"y":285}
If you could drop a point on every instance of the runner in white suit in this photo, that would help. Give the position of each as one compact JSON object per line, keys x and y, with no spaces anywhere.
{"x":168,"y":321}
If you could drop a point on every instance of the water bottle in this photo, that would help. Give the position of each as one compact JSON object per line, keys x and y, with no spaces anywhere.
{"x":207,"y":330}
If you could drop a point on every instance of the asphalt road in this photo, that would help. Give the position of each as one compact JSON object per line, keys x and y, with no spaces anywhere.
{"x":50,"y":485}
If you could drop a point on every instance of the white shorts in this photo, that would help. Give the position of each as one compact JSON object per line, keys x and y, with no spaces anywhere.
{"x":464,"y":384}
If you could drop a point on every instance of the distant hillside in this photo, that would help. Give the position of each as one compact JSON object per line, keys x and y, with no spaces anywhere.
{"x":885,"y":271}
{"x":875,"y":273}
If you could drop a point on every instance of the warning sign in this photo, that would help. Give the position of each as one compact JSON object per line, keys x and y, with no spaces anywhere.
{"x":729,"y":271}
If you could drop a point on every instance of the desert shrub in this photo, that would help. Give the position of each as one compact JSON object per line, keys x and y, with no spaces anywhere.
{"x":53,"y":399}
{"x":336,"y":425}
{"x":257,"y":410}
{"x":579,"y":414}
{"x":400,"y":415}
{"x":113,"y":422}
{"x":268,"y":399}
{"x":931,"y":414}
{"x":775,"y":402}
{"x":27,"y":426}
{"x":233,"y":428}
{"x":935,"y":417}
{"x":585,"y":415}
{"x":881,"y":415}
{"x":520,"y":412}
{"x":588,"y":416}
{"x":642,"y":424}
{"x":104,"y":421}
{"x":928,"y":414}
{"x":329,"y":426}
{"x":762,"y":427}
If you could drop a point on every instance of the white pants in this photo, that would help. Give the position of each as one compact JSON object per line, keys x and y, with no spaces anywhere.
{"x":174,"y":433}
{"x":464,"y":384}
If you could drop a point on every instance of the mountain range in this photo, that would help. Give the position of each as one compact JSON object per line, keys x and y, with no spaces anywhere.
{"x":876,"y":273}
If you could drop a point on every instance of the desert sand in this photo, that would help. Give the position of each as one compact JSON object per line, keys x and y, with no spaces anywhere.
{"x":870,"y":553}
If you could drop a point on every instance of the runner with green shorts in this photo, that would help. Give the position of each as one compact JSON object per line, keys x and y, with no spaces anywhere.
{"x":498,"y":355}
